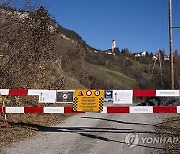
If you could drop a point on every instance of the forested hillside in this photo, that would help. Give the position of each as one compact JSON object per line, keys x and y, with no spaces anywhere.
{"x":39,"y":53}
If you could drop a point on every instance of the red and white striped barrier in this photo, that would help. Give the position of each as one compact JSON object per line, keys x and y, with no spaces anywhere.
{"x":109,"y":109}
{"x":136,"y":93}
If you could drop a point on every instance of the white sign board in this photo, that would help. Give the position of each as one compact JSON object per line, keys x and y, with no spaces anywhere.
{"x":122,"y":96}
{"x":47,"y":96}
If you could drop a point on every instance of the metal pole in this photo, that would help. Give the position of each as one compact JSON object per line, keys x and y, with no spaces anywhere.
{"x":160,"y":67}
{"x":171,"y":45}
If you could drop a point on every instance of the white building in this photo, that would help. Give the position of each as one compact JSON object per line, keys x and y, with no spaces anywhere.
{"x":113,"y":45}
{"x":141,"y":54}
{"x":166,"y":58}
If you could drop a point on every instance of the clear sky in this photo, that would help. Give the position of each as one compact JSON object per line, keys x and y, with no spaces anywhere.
{"x":135,"y":24}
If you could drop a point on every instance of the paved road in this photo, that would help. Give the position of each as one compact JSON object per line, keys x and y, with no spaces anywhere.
{"x":93,"y":133}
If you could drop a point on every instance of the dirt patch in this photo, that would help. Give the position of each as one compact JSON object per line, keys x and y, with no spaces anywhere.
{"x":170,"y":127}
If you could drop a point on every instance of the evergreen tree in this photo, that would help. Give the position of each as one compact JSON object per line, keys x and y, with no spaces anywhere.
{"x":116,"y":51}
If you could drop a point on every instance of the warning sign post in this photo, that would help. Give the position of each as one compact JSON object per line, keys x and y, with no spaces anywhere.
{"x":88,"y":100}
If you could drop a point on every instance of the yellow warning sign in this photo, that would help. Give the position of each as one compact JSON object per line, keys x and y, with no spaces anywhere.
{"x":88,"y":101}
{"x":80,"y":93}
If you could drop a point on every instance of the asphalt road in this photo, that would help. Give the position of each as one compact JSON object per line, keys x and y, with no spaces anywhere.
{"x":94,"y":133}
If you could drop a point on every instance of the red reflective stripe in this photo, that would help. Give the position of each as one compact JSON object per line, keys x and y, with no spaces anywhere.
{"x":123,"y":109}
{"x":69,"y":109}
{"x":33,"y":110}
{"x":142,"y":93}
{"x":2,"y":109}
{"x":18,"y":92}
{"x":164,"y":109}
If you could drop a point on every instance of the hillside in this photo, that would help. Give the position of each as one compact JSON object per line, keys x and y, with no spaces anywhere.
{"x":38,"y":53}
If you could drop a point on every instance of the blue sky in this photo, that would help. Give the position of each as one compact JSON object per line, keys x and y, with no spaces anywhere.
{"x":135,"y":24}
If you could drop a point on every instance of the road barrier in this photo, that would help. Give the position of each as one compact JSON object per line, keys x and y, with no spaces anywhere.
{"x":136,"y":93}
{"x":108,"y":109}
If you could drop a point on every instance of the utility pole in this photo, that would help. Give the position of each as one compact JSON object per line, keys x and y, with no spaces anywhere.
{"x":160,"y":67}
{"x":171,"y":45}
{"x":153,"y":68}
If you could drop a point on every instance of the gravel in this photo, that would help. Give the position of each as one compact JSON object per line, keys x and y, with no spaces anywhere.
{"x":161,"y":101}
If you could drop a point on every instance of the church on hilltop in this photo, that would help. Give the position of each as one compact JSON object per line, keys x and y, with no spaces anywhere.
{"x":111,"y":51}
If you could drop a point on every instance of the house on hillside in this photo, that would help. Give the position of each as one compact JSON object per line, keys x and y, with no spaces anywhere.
{"x":109,"y":52}
{"x":136,"y":55}
{"x":95,"y":51}
{"x":155,"y":57}
{"x":165,"y":57}
{"x":144,"y":53}
{"x":141,"y":54}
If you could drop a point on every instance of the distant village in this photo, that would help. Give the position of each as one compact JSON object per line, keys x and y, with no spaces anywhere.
{"x":154,"y":57}
{"x":136,"y":55}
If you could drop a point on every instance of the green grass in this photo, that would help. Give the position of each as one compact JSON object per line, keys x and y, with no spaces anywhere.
{"x":141,"y":66}
{"x":117,"y":79}
{"x":126,"y":81}
{"x":97,"y":77}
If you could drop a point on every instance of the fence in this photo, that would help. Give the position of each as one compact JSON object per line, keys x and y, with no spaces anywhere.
{"x":108,"y":109}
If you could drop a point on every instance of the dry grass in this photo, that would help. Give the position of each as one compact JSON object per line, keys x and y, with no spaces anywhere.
{"x":23,"y":126}
{"x":100,"y":77}
{"x":171,"y":128}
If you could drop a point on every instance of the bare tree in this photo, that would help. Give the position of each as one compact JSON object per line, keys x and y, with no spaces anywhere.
{"x":25,"y":5}
{"x":8,"y":3}
{"x":30,"y":5}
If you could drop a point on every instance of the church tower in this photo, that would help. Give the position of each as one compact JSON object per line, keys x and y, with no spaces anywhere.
{"x":113,"y":45}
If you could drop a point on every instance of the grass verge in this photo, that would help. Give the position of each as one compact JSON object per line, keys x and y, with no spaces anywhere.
{"x":170,"y":127}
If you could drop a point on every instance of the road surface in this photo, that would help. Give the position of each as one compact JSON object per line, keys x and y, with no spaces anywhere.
{"x":94,"y":133}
